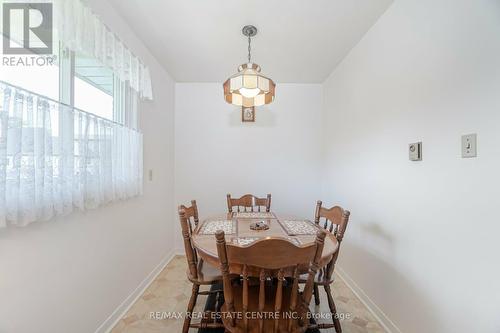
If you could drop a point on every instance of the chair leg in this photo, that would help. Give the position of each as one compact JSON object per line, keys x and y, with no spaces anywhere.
{"x":333,"y":310}
{"x":220,"y":300}
{"x":316,"y":294}
{"x":191,"y":304}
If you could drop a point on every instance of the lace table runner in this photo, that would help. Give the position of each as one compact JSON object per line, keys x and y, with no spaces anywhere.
{"x":299,"y":227}
{"x":254,"y":215}
{"x":243,"y":241}
{"x":211,"y":227}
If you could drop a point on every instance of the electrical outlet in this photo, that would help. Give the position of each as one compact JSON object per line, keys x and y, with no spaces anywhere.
{"x":415,"y":151}
{"x":469,"y":145}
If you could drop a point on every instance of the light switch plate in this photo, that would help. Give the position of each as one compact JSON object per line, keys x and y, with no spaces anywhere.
{"x":415,"y":151}
{"x":469,"y":145}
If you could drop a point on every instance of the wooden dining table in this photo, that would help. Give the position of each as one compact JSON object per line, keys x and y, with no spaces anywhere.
{"x":236,"y":227}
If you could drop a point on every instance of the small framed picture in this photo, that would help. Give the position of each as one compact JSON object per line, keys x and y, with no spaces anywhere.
{"x":248,"y":114}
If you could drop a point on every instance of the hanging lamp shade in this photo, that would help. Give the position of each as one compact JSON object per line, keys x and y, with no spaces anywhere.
{"x":249,"y":87}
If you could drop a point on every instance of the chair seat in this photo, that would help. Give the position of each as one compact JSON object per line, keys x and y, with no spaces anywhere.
{"x":207,"y":274}
{"x":253,"y":306}
{"x":319,"y":278}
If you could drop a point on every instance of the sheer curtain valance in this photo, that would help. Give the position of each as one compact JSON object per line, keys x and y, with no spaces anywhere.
{"x":80,"y":29}
{"x":54,"y":159}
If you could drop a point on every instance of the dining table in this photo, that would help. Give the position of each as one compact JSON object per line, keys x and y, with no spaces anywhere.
{"x":238,"y":231}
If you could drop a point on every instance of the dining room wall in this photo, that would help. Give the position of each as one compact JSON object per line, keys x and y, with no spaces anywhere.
{"x":422,"y":243}
{"x":217,"y":154}
{"x":77,"y":273}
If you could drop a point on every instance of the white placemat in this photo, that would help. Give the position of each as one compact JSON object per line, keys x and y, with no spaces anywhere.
{"x":254,"y":215}
{"x":299,"y":227}
{"x":212,"y":226}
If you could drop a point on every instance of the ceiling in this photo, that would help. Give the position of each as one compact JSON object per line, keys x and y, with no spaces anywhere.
{"x":299,"y":41}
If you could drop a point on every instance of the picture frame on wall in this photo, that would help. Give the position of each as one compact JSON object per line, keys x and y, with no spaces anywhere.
{"x":248,"y":114}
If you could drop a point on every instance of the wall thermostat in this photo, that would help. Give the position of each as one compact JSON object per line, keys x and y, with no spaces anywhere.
{"x":415,"y":151}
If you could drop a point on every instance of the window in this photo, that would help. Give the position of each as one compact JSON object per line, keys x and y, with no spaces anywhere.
{"x":55,"y":158}
{"x":77,"y":80}
{"x":94,"y":87}
{"x":43,"y":80}
{"x":68,"y":131}
{"x":87,"y":143}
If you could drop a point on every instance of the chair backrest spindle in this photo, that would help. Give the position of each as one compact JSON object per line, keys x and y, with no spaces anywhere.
{"x":279,"y":299}
{"x":335,"y":217}
{"x":245,"y":296}
{"x":253,"y":261}
{"x":293,"y":296}
{"x":248,"y":202}
{"x":224,"y":267}
{"x":262,"y":298}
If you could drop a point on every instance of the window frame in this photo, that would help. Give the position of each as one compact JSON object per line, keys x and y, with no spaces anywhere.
{"x":67,"y":86}
{"x":66,"y":76}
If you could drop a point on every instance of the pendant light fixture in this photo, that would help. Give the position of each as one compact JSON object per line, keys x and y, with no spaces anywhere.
{"x":249,"y":88}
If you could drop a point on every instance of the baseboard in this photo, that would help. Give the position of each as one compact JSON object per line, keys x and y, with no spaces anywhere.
{"x":381,"y":317}
{"x":122,"y":309}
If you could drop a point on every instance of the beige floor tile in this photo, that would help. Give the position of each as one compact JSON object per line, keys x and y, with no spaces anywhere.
{"x":170,"y":292}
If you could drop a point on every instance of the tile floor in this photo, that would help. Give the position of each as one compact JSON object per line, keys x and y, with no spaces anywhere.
{"x":170,"y":291}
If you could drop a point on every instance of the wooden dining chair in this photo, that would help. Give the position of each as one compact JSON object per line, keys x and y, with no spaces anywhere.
{"x":268,"y":275}
{"x":249,"y":202}
{"x":199,"y":272}
{"x":334,"y":220}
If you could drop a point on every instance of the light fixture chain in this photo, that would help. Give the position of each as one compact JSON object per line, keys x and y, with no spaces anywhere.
{"x":249,"y":49}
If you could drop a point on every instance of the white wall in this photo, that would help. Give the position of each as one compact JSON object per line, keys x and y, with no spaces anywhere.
{"x":423,"y":236}
{"x":69,"y":275}
{"x":217,"y":154}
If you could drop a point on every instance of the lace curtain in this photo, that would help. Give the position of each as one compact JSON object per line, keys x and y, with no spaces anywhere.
{"x":55,"y":159}
{"x":80,"y":29}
